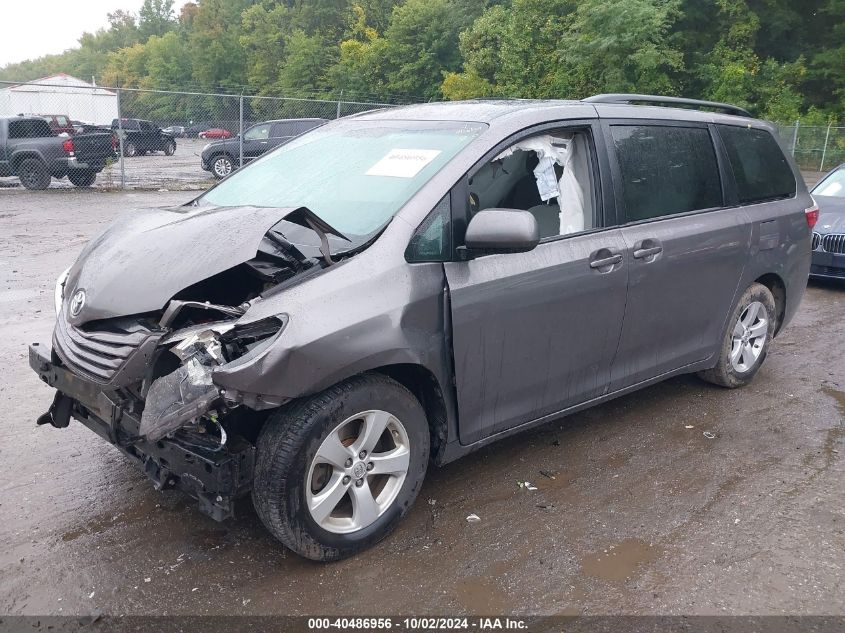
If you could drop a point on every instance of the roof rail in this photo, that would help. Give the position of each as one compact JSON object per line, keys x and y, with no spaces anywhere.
{"x":668,"y":101}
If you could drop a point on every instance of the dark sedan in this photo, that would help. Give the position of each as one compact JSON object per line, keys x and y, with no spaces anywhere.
{"x":829,"y":232}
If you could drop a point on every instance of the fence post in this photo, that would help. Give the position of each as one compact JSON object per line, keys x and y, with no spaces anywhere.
{"x":241,"y":132}
{"x":120,"y":142}
{"x":337,"y":116}
{"x":824,"y":151}
{"x":795,"y":136}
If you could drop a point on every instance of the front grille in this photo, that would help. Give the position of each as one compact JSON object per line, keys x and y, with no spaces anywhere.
{"x":817,"y":239}
{"x":834,"y":243}
{"x":97,"y":353}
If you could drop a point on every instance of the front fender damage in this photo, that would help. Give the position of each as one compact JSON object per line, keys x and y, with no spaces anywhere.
{"x":189,"y":393}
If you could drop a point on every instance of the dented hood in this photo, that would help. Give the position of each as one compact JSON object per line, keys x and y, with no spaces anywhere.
{"x":145,"y":257}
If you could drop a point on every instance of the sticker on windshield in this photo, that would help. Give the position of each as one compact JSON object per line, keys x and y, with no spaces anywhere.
{"x":403,"y":163}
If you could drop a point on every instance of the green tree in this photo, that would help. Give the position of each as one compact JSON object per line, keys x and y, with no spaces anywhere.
{"x":619,"y":46}
{"x":218,"y":59}
{"x":421,"y":46}
{"x":156,"y":17}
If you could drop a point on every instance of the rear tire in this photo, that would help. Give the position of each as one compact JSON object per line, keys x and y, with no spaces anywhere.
{"x":336,"y":472}
{"x":82,"y":177}
{"x":746,"y":342}
{"x":170,"y":148}
{"x":130,"y":149}
{"x":33,"y":174}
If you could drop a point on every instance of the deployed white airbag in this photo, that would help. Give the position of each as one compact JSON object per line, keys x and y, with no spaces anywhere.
{"x":566,"y":150}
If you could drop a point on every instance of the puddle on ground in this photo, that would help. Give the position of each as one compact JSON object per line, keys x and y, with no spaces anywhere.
{"x":837,"y":395}
{"x":480,"y":596}
{"x":620,"y":561}
{"x":104,"y":521}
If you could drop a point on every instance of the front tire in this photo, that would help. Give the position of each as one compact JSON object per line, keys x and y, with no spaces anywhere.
{"x":33,"y":174}
{"x":130,"y":150}
{"x":170,"y":148}
{"x":746,"y":343}
{"x":335,"y":473}
{"x":82,"y":177}
{"x":222,"y":166}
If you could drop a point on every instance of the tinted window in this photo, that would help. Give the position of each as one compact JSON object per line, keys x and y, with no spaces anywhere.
{"x":146,"y":126}
{"x":760,"y":169}
{"x":666,"y":170}
{"x":29,"y":128}
{"x":257,"y":133}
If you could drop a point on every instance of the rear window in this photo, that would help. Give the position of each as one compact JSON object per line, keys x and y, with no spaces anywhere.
{"x":29,"y":128}
{"x":760,"y":169}
{"x":666,"y":170}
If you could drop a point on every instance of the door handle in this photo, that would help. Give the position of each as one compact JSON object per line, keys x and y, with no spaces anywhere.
{"x":642,"y":253}
{"x":606,"y":261}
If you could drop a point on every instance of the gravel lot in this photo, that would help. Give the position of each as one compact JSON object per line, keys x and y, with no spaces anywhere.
{"x":643,"y":515}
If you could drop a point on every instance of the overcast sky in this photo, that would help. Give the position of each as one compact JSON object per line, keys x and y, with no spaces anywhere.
{"x":32,"y":28}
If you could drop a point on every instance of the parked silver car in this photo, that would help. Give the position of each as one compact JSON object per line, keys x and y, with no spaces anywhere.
{"x":407,"y":285}
{"x":829,"y":234}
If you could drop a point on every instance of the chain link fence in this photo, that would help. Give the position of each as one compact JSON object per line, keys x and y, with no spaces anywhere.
{"x":816,"y":148}
{"x":159,"y":135}
{"x":144,"y":123}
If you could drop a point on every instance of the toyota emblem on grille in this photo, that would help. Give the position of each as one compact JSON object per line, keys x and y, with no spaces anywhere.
{"x":77,"y":302}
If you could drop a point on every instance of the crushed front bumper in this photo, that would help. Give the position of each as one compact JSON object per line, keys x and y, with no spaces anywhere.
{"x":214,"y":478}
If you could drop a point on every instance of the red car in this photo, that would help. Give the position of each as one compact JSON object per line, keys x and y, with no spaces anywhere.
{"x":215,"y":132}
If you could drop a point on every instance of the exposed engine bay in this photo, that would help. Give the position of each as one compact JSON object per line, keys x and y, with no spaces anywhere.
{"x":171,"y":388}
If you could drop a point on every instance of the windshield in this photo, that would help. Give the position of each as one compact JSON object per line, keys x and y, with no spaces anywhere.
{"x":833,"y":185}
{"x":354,"y":174}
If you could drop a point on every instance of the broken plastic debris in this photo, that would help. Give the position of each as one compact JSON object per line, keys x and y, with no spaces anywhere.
{"x":526,"y":484}
{"x":709,"y":435}
{"x":546,"y":473}
{"x":473,"y":518}
{"x":689,"y":426}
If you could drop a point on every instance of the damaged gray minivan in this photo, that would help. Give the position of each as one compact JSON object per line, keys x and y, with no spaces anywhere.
{"x":404,"y":286}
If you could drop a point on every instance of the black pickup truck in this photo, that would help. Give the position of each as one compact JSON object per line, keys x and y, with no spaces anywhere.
{"x":30,"y":151}
{"x":140,"y":137}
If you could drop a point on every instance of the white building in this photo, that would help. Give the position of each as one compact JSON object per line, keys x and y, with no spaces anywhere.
{"x":60,"y":94}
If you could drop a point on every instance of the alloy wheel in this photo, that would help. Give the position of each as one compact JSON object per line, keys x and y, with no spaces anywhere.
{"x":749,"y":337}
{"x":357,"y":472}
{"x":222,"y":167}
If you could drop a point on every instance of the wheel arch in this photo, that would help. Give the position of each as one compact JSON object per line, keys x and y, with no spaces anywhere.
{"x":422,"y":382}
{"x":777,"y":287}
{"x":19,"y":157}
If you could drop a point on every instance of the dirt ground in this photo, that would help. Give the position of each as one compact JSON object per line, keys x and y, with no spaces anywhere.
{"x":636,"y":511}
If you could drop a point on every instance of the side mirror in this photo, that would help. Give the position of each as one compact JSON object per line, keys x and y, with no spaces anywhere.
{"x":502,"y":231}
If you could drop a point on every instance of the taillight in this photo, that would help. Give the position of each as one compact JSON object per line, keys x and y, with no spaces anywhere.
{"x":812,"y":215}
{"x":114,"y":143}
{"x":68,"y":146}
